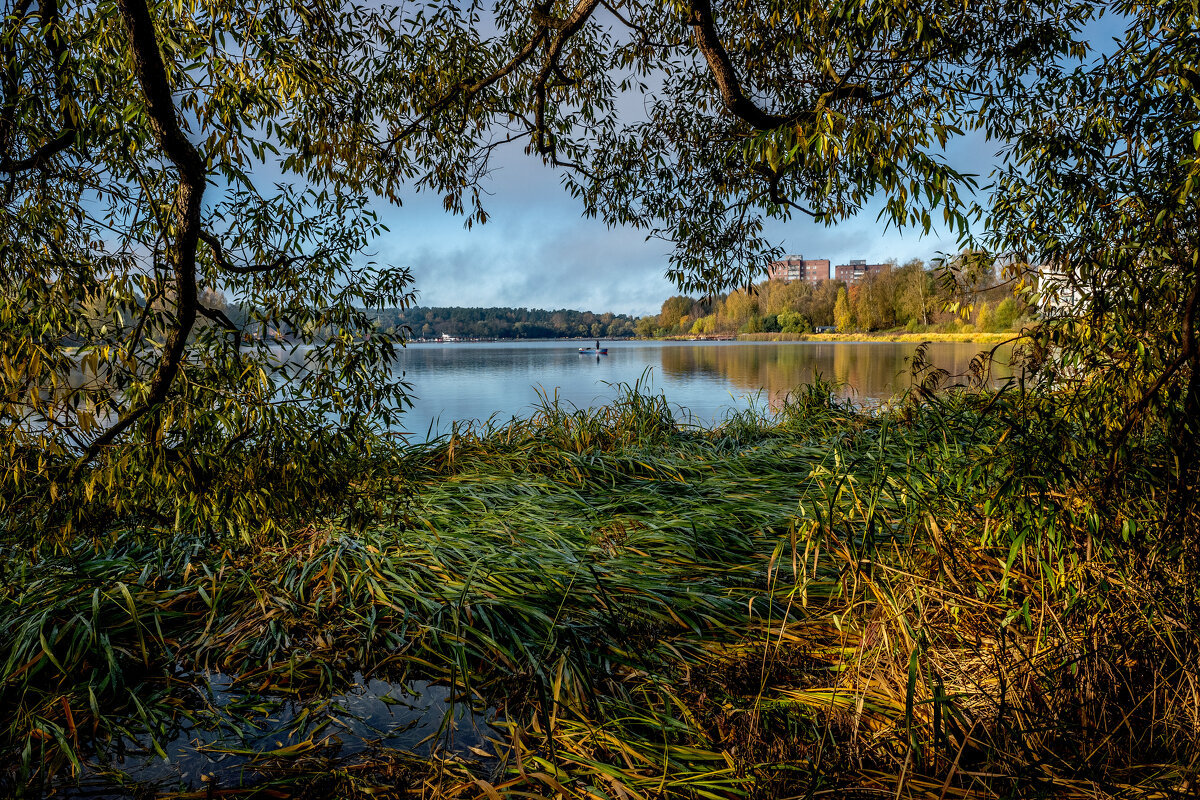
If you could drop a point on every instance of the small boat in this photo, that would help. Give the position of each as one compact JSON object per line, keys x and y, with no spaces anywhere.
{"x":589,"y":351}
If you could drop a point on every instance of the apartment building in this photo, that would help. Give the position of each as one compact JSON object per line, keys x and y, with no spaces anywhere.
{"x":857,"y":269}
{"x":799,"y":268}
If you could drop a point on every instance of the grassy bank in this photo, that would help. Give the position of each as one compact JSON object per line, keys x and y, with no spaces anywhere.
{"x":928,"y":603}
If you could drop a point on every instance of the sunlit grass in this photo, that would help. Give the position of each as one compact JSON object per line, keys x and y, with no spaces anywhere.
{"x":774,"y":607}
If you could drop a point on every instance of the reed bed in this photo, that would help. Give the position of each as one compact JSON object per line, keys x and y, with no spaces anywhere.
{"x":909,"y":602}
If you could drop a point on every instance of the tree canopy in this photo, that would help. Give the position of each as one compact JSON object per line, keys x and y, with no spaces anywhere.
{"x":1101,"y":185}
{"x":159,"y":157}
{"x":748,"y":110}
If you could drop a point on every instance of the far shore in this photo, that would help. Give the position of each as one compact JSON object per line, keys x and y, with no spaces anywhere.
{"x":880,"y":336}
{"x":883,"y":336}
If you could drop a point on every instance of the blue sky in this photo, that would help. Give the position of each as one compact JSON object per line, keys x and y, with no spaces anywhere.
{"x":538,"y":251}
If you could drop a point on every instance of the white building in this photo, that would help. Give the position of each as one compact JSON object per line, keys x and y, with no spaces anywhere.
{"x":1058,"y":292}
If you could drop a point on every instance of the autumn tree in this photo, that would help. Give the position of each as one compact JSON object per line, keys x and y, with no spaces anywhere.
{"x":673,"y":310}
{"x":751,"y":111}
{"x":780,"y":296}
{"x":842,"y":317}
{"x":794,"y":322}
{"x":914,"y":292}
{"x":737,"y":309}
{"x":818,"y":307}
{"x":872,"y":300}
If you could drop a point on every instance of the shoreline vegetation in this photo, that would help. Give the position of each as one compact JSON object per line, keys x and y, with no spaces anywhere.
{"x":925,"y":601}
{"x":980,"y":337}
{"x":948,"y":297}
{"x":431,"y":323}
{"x":849,"y":338}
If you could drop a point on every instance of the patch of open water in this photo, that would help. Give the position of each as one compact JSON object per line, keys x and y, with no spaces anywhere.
{"x":226,"y":737}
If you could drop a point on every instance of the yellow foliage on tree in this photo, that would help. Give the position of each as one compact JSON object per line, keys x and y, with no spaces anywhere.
{"x":842,"y":317}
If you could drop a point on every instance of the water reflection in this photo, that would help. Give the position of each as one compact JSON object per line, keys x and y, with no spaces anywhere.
{"x":465,"y":381}
{"x":227,"y":737}
{"x":863,"y":371}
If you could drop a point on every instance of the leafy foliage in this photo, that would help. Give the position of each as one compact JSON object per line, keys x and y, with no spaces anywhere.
{"x":906,"y":296}
{"x":139,"y":216}
{"x":751,"y":110}
{"x":1100,"y":191}
{"x":841,"y":311}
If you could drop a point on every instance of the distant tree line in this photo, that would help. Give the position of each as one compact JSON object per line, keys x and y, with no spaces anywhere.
{"x":909,"y":297}
{"x":954,"y":297}
{"x":426,"y":323}
{"x":506,"y":323}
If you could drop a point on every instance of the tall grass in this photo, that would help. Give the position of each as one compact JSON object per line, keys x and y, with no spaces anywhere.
{"x":925,"y":601}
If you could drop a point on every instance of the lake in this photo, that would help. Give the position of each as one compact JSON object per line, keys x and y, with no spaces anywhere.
{"x":705,"y":380}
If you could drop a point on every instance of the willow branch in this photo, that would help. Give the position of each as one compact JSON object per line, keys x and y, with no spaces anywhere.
{"x":222,"y":260}
{"x":773,"y":177}
{"x":708,"y":42}
{"x":566,"y":29}
{"x":151,"y":74}
{"x":62,"y":68}
{"x":468,"y":89}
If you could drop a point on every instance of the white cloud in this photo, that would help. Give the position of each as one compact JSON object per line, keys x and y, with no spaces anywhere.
{"x":538,"y":251}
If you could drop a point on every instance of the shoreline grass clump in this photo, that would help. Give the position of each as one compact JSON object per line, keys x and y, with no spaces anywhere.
{"x":928,"y":600}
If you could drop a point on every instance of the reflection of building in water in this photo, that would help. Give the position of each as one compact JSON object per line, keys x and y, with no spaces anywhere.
{"x":863,"y":371}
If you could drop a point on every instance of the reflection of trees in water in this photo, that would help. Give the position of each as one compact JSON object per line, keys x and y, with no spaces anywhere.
{"x":876,"y":370}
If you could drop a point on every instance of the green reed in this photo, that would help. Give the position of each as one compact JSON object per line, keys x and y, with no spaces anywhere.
{"x":908,"y":601}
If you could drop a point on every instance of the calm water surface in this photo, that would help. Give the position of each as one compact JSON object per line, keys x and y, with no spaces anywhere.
{"x":501,"y":380}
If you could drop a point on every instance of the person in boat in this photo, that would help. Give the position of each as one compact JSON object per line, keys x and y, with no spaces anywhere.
{"x":597,"y":345}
